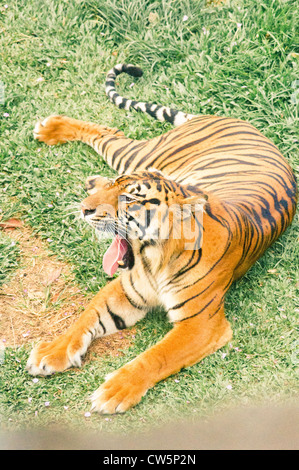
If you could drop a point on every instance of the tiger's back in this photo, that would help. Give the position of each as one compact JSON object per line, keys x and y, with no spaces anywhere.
{"x":229,"y":159}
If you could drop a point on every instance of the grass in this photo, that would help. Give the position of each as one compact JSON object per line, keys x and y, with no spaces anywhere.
{"x":9,"y":255}
{"x":238,"y":59}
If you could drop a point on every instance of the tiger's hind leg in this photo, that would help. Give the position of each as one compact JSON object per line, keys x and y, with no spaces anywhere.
{"x":106,"y":141}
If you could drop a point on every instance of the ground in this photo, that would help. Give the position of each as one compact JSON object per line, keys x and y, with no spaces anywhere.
{"x":41,"y":300}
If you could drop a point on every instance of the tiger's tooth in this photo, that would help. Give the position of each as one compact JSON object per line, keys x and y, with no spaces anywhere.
{"x":121,"y":263}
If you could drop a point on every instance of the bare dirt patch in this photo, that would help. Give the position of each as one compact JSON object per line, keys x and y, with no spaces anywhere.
{"x":41,"y":299}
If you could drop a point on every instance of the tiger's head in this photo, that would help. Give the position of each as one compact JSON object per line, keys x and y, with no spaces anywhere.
{"x":140,"y":210}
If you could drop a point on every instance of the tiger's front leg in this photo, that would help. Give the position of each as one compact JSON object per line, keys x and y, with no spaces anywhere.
{"x":112,"y":309}
{"x":186,"y":344}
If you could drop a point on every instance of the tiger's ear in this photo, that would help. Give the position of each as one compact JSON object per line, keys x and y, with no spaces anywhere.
{"x":96,"y":182}
{"x":193,"y":204}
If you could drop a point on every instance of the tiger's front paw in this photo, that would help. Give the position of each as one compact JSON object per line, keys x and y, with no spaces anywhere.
{"x":121,"y":391}
{"x":54,"y":130}
{"x":56,"y":356}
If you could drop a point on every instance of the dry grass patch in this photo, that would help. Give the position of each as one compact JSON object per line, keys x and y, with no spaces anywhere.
{"x":41,"y":299}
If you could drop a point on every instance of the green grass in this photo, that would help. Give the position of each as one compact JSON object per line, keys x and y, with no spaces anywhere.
{"x":9,"y":255}
{"x":53,"y":59}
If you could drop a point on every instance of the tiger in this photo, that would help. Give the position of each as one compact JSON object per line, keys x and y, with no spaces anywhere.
{"x":229,"y":184}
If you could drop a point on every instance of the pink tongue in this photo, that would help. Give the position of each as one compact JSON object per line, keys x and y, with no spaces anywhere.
{"x":115,"y":253}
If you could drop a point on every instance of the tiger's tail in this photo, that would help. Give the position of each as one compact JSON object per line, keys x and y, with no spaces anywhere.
{"x":159,"y":112}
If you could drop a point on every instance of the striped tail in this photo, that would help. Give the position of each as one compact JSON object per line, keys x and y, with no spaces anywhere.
{"x":162,"y":113}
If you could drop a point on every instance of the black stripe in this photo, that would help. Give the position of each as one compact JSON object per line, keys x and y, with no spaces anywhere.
{"x":106,"y":143}
{"x":92,"y":333}
{"x":136,"y":149}
{"x":123,"y":103}
{"x":118,"y":151}
{"x":188,"y":265}
{"x":135,"y":290}
{"x":178,"y":306}
{"x":179,"y":137}
{"x":148,"y":110}
{"x":171,"y":116}
{"x":131,"y":301}
{"x":116,"y":71}
{"x":145,"y":244}
{"x":216,"y":311}
{"x":118,"y":321}
{"x":146,"y":268}
{"x":195,"y":314}
{"x":102,"y":326}
{"x":154,"y":200}
{"x":193,"y":143}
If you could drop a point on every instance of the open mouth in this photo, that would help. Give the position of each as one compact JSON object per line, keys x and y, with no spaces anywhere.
{"x":118,"y":255}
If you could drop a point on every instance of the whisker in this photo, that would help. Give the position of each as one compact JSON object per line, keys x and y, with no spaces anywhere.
{"x":74,"y":203}
{"x":72,"y":207}
{"x":74,"y":214}
{"x":109,"y":227}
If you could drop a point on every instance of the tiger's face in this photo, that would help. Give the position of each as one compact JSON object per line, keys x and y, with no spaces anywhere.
{"x":140,"y":210}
